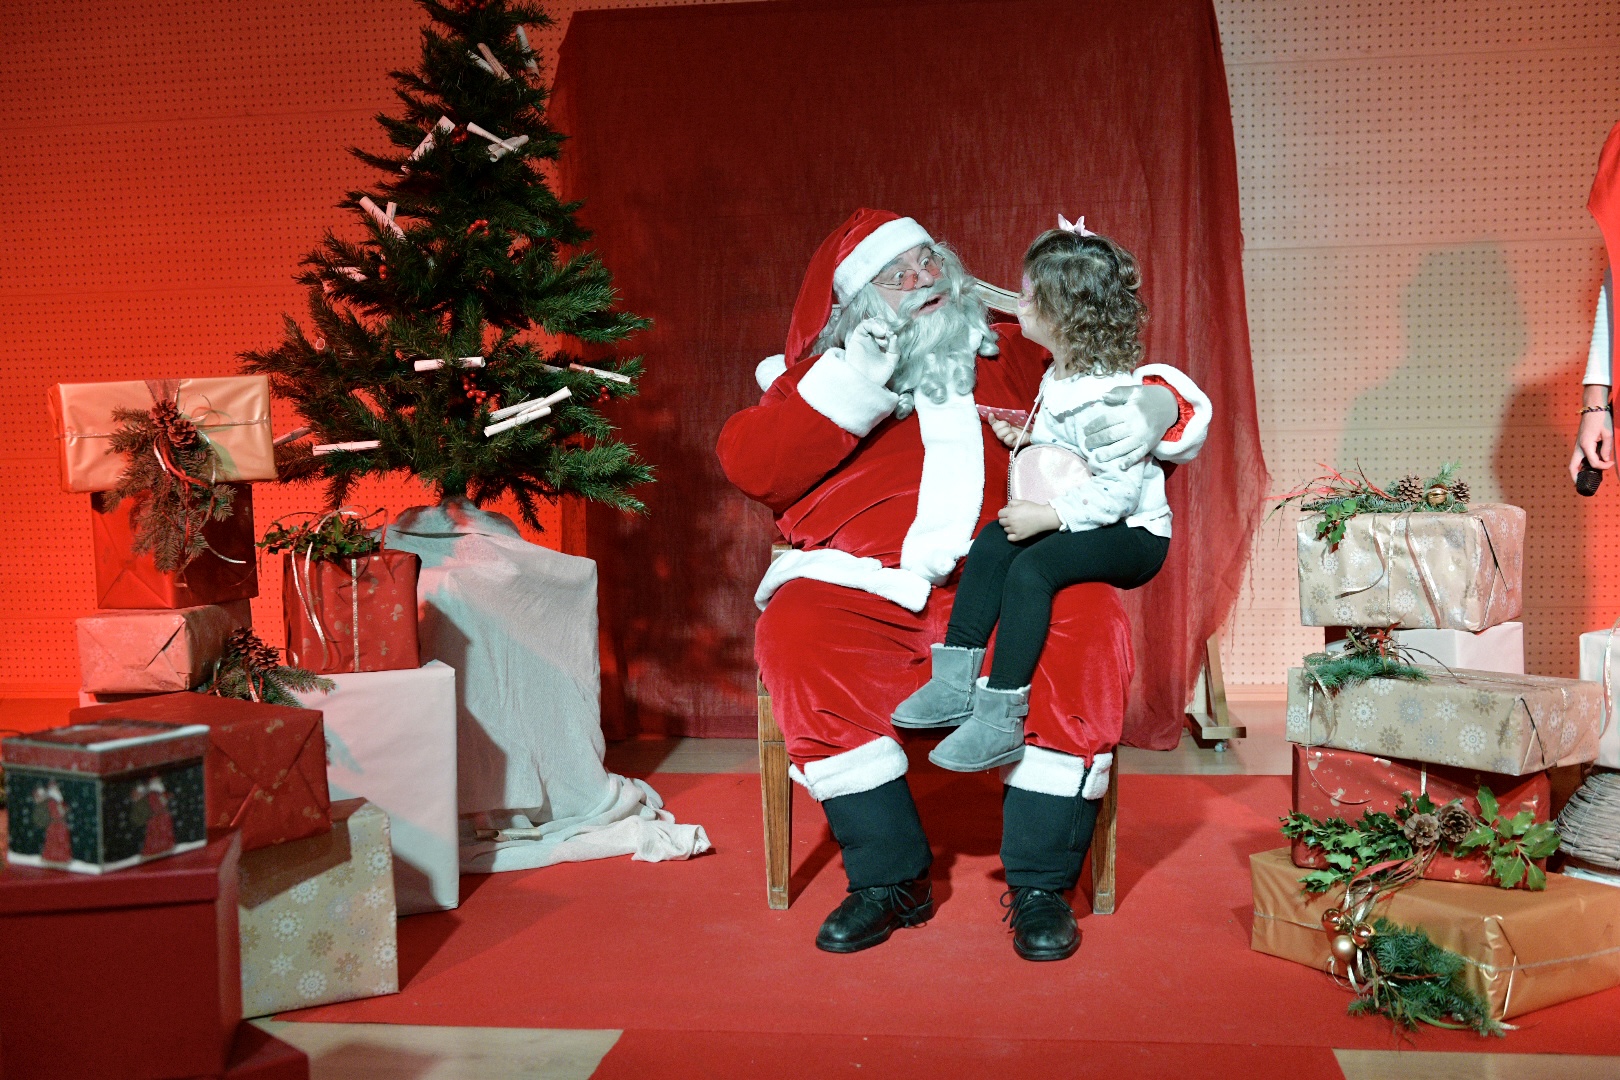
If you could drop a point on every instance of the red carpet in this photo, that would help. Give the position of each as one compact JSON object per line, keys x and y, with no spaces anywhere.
{"x":688,"y":959}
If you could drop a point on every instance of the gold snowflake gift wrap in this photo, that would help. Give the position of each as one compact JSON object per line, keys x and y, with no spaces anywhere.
{"x":317,"y":916}
{"x":1417,"y":571}
{"x":1486,"y":720}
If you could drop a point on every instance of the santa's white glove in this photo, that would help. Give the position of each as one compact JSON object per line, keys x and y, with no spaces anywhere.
{"x":872,"y":351}
{"x":1129,"y":423}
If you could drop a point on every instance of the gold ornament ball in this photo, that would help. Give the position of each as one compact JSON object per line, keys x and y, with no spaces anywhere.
{"x":1437,"y":495}
{"x":1330,"y":919}
{"x":1344,"y":948}
{"x":1362,"y":935}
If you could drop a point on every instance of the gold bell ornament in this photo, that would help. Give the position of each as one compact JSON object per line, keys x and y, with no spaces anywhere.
{"x":1437,"y":495}
{"x":1344,"y":948}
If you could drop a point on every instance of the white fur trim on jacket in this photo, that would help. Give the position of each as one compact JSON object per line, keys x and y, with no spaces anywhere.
{"x":843,"y":395}
{"x":769,"y":370}
{"x":1600,"y":357}
{"x":841,"y":568}
{"x":1184,"y":449}
{"x":875,"y":252}
{"x":951,"y":492}
{"x":1052,"y":772}
{"x":861,"y":769}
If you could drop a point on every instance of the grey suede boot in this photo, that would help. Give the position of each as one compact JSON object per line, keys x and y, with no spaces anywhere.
{"x":946,"y":699}
{"x":993,"y":735}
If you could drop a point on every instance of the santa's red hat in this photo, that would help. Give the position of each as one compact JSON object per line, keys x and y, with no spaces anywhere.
{"x":1604,"y":202}
{"x":845,"y":261}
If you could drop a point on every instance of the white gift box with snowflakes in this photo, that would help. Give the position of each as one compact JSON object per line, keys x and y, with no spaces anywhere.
{"x":1417,"y":571}
{"x":317,"y":916}
{"x":1486,"y":720}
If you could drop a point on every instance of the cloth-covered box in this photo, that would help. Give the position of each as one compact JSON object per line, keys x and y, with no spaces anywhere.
{"x":1496,"y":648}
{"x":1524,"y":950}
{"x":351,"y":614}
{"x":1344,"y":784}
{"x":1596,"y":655}
{"x":105,"y":795}
{"x":1447,"y":571}
{"x":1485,"y":720}
{"x":317,"y":916}
{"x":391,"y":739}
{"x":266,"y":764}
{"x":155,"y":651}
{"x":119,"y":976}
{"x":232,"y":413}
{"x":228,"y":571}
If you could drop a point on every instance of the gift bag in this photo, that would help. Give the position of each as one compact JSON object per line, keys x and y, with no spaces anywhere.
{"x":352,"y":614}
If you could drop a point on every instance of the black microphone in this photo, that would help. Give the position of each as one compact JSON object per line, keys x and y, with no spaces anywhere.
{"x":1587,"y":480}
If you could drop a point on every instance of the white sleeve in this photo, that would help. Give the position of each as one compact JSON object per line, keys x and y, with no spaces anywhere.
{"x":1110,"y":495}
{"x":1600,"y":360}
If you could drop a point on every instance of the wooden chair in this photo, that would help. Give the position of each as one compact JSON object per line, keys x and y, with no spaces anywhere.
{"x":776,"y":798}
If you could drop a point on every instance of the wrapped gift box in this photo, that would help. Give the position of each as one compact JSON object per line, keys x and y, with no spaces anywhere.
{"x":105,"y":795}
{"x":154,"y":652}
{"x":232,"y":413}
{"x":1511,"y":724}
{"x":317,"y":916}
{"x":127,"y":580}
{"x":351,"y":614}
{"x":1344,"y":784}
{"x":133,"y":974}
{"x":1416,"y":571}
{"x":391,"y":739}
{"x":1525,"y":950}
{"x":1595,"y":656}
{"x":266,"y":764}
{"x":1496,"y":648}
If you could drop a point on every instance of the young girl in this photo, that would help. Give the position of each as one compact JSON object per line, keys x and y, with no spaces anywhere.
{"x":1080,"y":302}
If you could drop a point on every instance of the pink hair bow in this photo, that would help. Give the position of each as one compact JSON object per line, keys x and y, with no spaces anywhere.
{"x":1076,"y":227}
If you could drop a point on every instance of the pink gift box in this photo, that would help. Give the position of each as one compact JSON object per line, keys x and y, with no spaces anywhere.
{"x":156,"y":651}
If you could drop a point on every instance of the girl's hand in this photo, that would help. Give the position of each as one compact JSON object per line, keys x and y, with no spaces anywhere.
{"x":1012,"y":438}
{"x":1022,"y":520}
{"x":1594,"y":443}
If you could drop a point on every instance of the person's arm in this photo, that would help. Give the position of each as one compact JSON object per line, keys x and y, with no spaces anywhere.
{"x":1594,"y":439}
{"x":1167,"y":416}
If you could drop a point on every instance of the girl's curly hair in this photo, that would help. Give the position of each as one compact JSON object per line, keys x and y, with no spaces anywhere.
{"x":1085,"y":288}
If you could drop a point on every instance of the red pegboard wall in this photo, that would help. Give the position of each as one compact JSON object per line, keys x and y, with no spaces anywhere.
{"x":166,"y":166}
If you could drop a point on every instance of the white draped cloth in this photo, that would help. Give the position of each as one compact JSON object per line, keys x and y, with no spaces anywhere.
{"x":518,"y":623}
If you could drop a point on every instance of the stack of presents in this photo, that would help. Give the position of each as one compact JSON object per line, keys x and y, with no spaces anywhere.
{"x":1450,"y":585}
{"x":179,"y":861}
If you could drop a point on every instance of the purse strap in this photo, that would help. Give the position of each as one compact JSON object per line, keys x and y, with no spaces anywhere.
{"x":1029,"y":421}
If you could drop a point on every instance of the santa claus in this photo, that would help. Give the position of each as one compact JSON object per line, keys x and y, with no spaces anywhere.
{"x":869,"y":448}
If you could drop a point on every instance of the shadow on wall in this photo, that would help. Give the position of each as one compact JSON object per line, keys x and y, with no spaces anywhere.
{"x":1466,"y":333}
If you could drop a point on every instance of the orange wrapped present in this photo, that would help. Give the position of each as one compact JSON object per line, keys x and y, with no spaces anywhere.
{"x":232,"y":413}
{"x":227,"y":571}
{"x":154,"y":652}
{"x":265,"y":769}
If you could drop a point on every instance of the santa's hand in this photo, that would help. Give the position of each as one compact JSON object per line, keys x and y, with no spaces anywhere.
{"x":1022,"y":520}
{"x":1010,"y":436}
{"x":871,"y":351}
{"x":1129,"y":422}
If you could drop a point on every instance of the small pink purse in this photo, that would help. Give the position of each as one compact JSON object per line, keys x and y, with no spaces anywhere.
{"x":1040,"y":472}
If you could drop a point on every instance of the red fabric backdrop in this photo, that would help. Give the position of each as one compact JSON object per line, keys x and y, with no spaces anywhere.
{"x":716,"y":146}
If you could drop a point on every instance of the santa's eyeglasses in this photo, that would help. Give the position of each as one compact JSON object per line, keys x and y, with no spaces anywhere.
{"x":907,"y":278}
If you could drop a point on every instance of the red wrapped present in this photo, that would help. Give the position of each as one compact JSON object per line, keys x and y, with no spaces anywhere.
{"x":134,"y":974}
{"x":351,"y":614}
{"x":228,"y":571}
{"x":1344,"y":784}
{"x":155,"y":652}
{"x":265,"y":767}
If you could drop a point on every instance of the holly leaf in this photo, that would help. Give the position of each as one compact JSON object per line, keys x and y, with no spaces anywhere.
{"x":1522,"y":821}
{"x":1478,"y":837}
{"x":1509,"y":870}
{"x":1488,"y":808}
{"x":1424,"y":804}
{"x":1318,"y":881}
{"x":1541,"y":840}
{"x":1341,"y":859}
{"x":1536,"y":877}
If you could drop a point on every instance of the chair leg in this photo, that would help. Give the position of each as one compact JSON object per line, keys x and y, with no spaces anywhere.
{"x":1103,"y":841}
{"x":776,"y":797}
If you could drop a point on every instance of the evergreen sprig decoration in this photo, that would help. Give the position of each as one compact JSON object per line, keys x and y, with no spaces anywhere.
{"x":251,"y":670}
{"x":1412,"y":980}
{"x":1339,"y":498}
{"x":467,"y":254}
{"x":1418,"y":831}
{"x":1368,"y":653}
{"x":342,"y":534}
{"x":171,"y":474}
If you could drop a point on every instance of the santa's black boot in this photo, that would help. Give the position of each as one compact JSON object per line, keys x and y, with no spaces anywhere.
{"x":886,"y":857}
{"x":1044,"y":839}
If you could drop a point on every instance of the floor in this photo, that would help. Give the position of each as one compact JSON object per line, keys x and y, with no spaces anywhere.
{"x":375,"y":1052}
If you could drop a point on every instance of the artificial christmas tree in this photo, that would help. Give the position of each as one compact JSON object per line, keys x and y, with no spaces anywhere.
{"x":423,"y":354}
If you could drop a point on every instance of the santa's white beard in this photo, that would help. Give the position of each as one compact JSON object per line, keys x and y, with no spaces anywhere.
{"x":939,"y":348}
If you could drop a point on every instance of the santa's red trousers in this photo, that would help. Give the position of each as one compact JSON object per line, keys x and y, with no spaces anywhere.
{"x":837,"y":661}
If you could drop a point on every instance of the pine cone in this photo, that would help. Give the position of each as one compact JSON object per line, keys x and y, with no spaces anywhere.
{"x":1455,"y":822}
{"x":1410,"y":489}
{"x":256,"y":655}
{"x":180,"y":432}
{"x":1423,"y":830}
{"x":1459,"y":490}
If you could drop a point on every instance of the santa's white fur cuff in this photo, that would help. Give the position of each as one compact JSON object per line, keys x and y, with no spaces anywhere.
{"x":1051,"y":772}
{"x":1182,"y":450}
{"x":836,"y":390}
{"x":861,"y":769}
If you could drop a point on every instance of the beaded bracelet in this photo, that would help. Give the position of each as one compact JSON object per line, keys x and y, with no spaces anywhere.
{"x":1605,"y":407}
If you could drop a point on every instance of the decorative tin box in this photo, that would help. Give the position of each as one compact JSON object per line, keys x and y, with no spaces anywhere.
{"x":105,"y":795}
